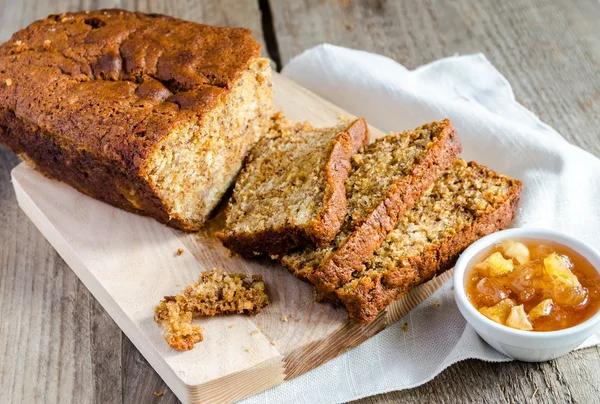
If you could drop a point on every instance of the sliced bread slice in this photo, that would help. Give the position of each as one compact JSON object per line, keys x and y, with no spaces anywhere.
{"x":388,"y":177}
{"x":291,"y":191}
{"x":468,"y":202}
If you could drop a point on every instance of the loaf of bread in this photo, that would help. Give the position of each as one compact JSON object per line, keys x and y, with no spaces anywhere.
{"x":388,"y":177}
{"x":468,"y":202}
{"x":146,"y":112}
{"x":291,"y":190}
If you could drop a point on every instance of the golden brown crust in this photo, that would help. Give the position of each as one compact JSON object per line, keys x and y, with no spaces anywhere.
{"x":269,"y":241}
{"x":98,"y":60}
{"x":374,"y":292}
{"x":325,"y":225}
{"x":368,"y":235}
{"x":100,"y":91}
{"x":78,"y":169}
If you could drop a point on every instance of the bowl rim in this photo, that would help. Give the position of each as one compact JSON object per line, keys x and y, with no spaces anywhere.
{"x":581,"y":247}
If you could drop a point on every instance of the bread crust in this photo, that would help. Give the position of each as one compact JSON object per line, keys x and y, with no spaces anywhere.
{"x":322,"y":228}
{"x":375,"y":293}
{"x":327,"y":224}
{"x":83,"y":171}
{"x":368,"y":235}
{"x":95,"y":94}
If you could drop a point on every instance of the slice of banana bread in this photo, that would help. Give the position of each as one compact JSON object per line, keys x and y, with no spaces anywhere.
{"x":146,"y":112}
{"x":388,"y":177}
{"x":215,"y":293}
{"x":468,"y":202}
{"x":291,"y":190}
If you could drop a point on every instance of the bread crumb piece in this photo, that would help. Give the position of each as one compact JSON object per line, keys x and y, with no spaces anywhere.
{"x":179,"y":251}
{"x":273,"y":342}
{"x":284,"y":319}
{"x":349,"y":27}
{"x":248,"y":349}
{"x":46,"y":44}
{"x":158,"y":393}
{"x":231,"y":325}
{"x":437,"y":304}
{"x":257,"y":331}
{"x":216,"y":292}
{"x":405,"y":327}
{"x":8,"y":82}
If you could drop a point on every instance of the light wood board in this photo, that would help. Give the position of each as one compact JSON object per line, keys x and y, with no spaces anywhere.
{"x":129,"y":263}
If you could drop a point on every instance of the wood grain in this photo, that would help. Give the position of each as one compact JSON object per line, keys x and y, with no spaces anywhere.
{"x":548,"y":49}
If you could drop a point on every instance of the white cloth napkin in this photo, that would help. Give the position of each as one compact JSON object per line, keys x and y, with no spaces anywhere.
{"x":561,"y":191}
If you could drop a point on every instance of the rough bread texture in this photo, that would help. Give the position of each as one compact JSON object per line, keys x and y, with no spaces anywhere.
{"x":146,"y":112}
{"x":215,"y":293}
{"x":468,"y":202}
{"x":291,"y":190}
{"x":388,"y":177}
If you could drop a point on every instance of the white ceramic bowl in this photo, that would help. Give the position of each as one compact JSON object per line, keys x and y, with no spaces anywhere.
{"x":529,"y":346}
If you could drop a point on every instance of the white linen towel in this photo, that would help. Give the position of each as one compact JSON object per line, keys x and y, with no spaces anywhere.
{"x":561,"y":190}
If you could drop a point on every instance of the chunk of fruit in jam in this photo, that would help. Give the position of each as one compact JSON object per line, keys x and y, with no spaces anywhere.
{"x":541,"y":310}
{"x":540,"y":252}
{"x":558,"y":267}
{"x":570,"y":297}
{"x":516,"y":250}
{"x":498,"y":312}
{"x":521,"y":281}
{"x":518,"y":319}
{"x":491,"y":292}
{"x":567,"y":290}
{"x":496,"y":265}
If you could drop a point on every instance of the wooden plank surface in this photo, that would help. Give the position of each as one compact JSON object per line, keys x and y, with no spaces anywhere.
{"x":548,"y":49}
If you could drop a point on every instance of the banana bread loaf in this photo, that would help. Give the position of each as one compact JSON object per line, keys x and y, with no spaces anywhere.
{"x":468,"y":202}
{"x":146,"y":112}
{"x":388,"y":177}
{"x":291,"y":190}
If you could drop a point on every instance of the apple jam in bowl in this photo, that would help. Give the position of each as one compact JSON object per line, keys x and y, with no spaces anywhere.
{"x":532,"y":294}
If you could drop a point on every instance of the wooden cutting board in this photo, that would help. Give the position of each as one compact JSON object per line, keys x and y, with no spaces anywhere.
{"x":130,"y":262}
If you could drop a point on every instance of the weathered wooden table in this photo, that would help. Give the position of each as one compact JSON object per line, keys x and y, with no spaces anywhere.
{"x":57,"y":344}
